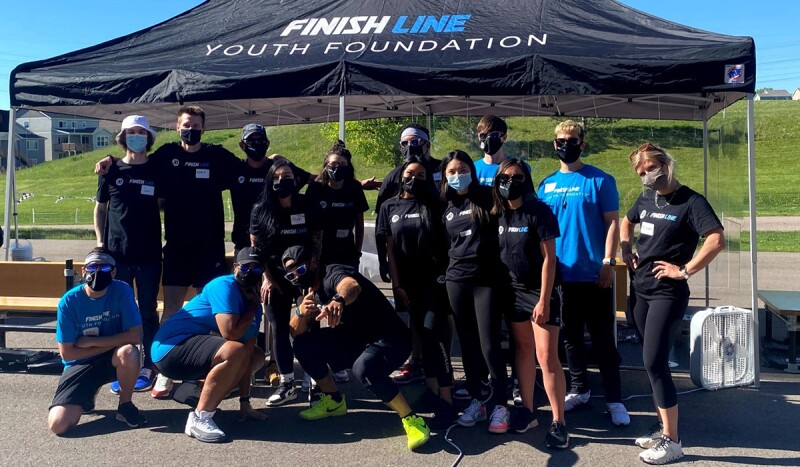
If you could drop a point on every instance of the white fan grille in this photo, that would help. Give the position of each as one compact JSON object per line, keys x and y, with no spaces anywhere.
{"x":727,"y":349}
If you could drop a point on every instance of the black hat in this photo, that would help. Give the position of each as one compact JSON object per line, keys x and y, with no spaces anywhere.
{"x":248,"y":255}
{"x":252,"y":128}
{"x":296,"y":253}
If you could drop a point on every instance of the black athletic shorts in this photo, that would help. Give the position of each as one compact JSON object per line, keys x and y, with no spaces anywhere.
{"x":79,"y":383}
{"x":526,"y":300}
{"x":191,"y":267}
{"x":191,"y":359}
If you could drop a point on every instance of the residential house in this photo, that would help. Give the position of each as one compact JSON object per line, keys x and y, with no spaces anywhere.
{"x":796,"y":95}
{"x":65,"y":135}
{"x":28,"y":147}
{"x":773,"y":95}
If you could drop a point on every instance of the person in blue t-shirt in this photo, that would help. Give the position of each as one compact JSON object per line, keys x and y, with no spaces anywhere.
{"x":98,"y":331}
{"x":492,"y":134}
{"x":213,"y":338}
{"x":586,"y":202}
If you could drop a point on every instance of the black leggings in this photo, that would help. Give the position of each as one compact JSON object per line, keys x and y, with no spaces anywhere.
{"x":279,"y":309}
{"x":657,"y":321}
{"x":478,"y":324}
{"x":429,"y":313}
{"x":372,"y":363}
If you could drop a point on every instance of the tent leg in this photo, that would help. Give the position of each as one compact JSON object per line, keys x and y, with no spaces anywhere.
{"x":705,"y":193}
{"x":341,"y":118}
{"x":10,"y":178}
{"x":751,"y":169}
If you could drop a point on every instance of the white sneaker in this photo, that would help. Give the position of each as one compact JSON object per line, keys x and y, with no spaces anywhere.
{"x":203,"y":428}
{"x":574,"y":400}
{"x":619,"y":414}
{"x":664,"y":451}
{"x":286,"y":392}
{"x":476,"y":412}
{"x":652,"y":437}
{"x":187,"y":393}
{"x":162,"y":387}
{"x":498,"y":422}
{"x":341,"y":376}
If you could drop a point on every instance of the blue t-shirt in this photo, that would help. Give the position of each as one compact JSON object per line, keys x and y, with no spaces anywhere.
{"x":196,"y":318}
{"x":579,"y":200}
{"x":486,"y":172}
{"x":79,"y":315}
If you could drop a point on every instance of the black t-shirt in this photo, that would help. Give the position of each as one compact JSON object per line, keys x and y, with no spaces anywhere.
{"x":191,"y":185}
{"x":474,"y":255}
{"x":371,"y":316}
{"x":669,"y":232}
{"x":339,"y":209}
{"x":133,"y":234}
{"x":418,"y":251}
{"x":520,"y":232}
{"x":390,"y":187}
{"x":245,"y":192}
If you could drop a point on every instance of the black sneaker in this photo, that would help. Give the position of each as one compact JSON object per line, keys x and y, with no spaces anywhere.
{"x":129,"y":414}
{"x":286,"y":392}
{"x":523,"y":420}
{"x":444,"y":416}
{"x":557,"y":436}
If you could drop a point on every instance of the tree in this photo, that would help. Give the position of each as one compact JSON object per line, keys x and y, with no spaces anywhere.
{"x":375,"y":140}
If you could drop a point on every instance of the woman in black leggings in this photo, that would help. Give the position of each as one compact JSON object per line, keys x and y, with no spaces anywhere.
{"x":672,"y":219}
{"x":471,"y":281}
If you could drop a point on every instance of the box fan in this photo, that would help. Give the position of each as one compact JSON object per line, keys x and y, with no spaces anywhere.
{"x":722,"y":350}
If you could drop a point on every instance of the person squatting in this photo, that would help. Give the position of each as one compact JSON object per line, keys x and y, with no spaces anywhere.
{"x":469,"y":246}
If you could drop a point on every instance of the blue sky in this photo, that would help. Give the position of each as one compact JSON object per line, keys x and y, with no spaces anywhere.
{"x":48,"y":28}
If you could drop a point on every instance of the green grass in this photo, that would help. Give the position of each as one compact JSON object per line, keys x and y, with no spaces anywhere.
{"x":779,"y":242}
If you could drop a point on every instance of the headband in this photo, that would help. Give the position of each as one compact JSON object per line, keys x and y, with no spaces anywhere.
{"x":99,"y":257}
{"x":411,"y":131}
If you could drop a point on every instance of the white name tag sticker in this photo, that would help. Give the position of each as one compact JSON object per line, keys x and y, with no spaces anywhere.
{"x":148,"y":190}
{"x":91,"y":332}
{"x":202,"y":173}
{"x":466,"y":233}
{"x":647,"y":229}
{"x":342,"y":233}
{"x":297,"y":219}
{"x":437,"y":177}
{"x":548,"y":187}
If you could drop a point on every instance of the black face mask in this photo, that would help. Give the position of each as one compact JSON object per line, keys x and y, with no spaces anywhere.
{"x":343,"y":172}
{"x":510,"y":190}
{"x":191,"y":136}
{"x":490,"y":146}
{"x":256,"y":151}
{"x":284,"y":187}
{"x":413,"y":186}
{"x":248,"y":279}
{"x":98,"y":280}
{"x":410,"y":152}
{"x":569,"y":153}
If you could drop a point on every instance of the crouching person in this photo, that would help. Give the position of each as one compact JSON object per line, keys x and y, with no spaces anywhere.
{"x":98,"y":331}
{"x":212,"y":338}
{"x":363,"y":333}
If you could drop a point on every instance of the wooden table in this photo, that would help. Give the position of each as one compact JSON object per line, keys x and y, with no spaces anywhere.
{"x":786,"y":306}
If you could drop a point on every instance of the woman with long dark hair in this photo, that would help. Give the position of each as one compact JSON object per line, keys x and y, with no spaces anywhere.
{"x":282,"y":218}
{"x":471,"y":280}
{"x":527,"y":230}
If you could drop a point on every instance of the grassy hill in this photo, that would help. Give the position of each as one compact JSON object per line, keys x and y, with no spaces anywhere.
{"x":63,"y":189}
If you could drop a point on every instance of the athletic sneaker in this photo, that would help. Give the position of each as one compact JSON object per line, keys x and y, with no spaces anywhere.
{"x":115,"y":387}
{"x":498,"y":422}
{"x":341,"y":376}
{"x":417,"y":432}
{"x":410,"y":372}
{"x":187,"y":393}
{"x":145,"y":380}
{"x":523,"y":420}
{"x":325,"y":407}
{"x":619,"y":414}
{"x":664,"y":451}
{"x":652,"y":437}
{"x":286,"y":392}
{"x":203,"y":428}
{"x":162,"y":387}
{"x":575,"y":399}
{"x":129,"y":414}
{"x":476,"y":412}
{"x":557,"y":436}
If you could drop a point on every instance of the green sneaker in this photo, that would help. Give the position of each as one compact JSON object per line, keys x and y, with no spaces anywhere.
{"x":325,"y":407}
{"x":416,"y":431}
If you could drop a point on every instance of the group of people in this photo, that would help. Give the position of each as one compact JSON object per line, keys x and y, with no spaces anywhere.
{"x":467,"y":245}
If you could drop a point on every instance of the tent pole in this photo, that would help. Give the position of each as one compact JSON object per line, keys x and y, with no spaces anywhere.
{"x":341,"y":118}
{"x":751,"y":169}
{"x":705,"y":193}
{"x":10,"y":178}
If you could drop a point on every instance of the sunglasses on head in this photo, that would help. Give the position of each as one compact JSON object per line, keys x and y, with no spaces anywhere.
{"x":647,"y":147}
{"x":413,"y":142}
{"x":247,"y":267}
{"x":103,"y":267}
{"x":294,"y":275}
{"x":505,"y":178}
{"x":493,"y":134}
{"x":571,"y":141}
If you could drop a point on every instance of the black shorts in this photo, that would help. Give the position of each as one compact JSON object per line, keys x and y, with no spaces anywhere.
{"x":525,"y":301}
{"x":194,"y":267}
{"x":191,"y":359}
{"x":79,"y":383}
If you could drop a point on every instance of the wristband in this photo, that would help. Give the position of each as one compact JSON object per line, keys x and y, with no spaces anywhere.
{"x":611,"y":261}
{"x":683,"y":272}
{"x":244,"y":399}
{"x":297,"y":312}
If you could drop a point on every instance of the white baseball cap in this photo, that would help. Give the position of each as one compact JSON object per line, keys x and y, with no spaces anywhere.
{"x":133,"y":121}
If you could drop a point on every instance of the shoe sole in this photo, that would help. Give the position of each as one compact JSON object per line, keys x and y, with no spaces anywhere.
{"x":124,"y":420}
{"x":286,"y":399}
{"x":419,"y":443}
{"x":327,"y":414}
{"x":160,"y":395}
{"x":558,"y":446}
{"x":143,"y":389}
{"x":529,"y":426}
{"x":660,"y":462}
{"x":498,"y":431}
{"x":204,"y":439}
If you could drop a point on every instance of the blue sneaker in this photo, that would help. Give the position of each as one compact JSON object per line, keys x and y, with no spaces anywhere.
{"x":115,"y":387}
{"x":144,"y":382}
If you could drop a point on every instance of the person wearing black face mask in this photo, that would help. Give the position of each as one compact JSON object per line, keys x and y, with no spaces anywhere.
{"x":281,"y":218}
{"x":213,"y":338}
{"x":527,"y":230}
{"x":98,"y":332}
{"x":492,"y":133}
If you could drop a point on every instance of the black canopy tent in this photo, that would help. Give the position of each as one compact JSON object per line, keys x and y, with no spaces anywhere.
{"x":296,"y":61}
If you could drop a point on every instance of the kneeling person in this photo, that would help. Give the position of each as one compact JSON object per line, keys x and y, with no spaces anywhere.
{"x":364,"y":333}
{"x":213,"y":338}
{"x":98,"y":331}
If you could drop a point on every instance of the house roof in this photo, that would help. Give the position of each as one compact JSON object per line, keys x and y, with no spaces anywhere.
{"x":775,"y":93}
{"x":76,"y":131}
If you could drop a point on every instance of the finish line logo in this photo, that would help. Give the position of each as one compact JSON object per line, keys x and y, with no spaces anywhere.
{"x":345,"y":25}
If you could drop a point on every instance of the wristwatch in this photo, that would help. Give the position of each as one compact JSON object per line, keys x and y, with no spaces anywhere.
{"x":684,"y":274}
{"x":338,"y":298}
{"x":611,"y":261}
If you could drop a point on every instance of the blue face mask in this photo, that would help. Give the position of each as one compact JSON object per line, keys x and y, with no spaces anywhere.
{"x":136,"y":143}
{"x":459,"y":182}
